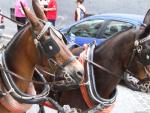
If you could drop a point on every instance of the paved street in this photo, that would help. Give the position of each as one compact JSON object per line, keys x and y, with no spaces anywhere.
{"x":128,"y":101}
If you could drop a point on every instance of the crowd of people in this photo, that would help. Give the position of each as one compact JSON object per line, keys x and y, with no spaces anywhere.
{"x":50,"y":9}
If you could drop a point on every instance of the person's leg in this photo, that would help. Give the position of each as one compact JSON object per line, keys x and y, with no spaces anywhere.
{"x":52,"y":21}
{"x":18,"y":27}
{"x":21,"y":20}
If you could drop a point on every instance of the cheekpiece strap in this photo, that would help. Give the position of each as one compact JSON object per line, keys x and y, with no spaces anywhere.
{"x":45,"y":28}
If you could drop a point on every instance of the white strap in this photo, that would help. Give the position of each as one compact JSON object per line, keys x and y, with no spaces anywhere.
{"x":145,"y":39}
{"x":47,"y":25}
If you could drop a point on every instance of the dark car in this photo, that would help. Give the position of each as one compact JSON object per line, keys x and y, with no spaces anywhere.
{"x":99,"y":27}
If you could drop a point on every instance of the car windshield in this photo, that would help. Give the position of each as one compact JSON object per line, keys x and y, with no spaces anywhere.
{"x":88,"y":28}
{"x":114,"y":27}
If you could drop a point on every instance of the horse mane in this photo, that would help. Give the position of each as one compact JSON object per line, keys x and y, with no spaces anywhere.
{"x":145,"y":33}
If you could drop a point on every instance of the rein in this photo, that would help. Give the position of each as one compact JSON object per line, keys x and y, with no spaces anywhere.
{"x":31,"y":81}
{"x":103,"y":68}
{"x":97,"y":65}
{"x":18,"y":23}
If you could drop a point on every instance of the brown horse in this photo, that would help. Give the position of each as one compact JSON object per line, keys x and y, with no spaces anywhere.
{"x":130,"y":81}
{"x":110,"y":60}
{"x":36,"y":43}
{"x":128,"y":50}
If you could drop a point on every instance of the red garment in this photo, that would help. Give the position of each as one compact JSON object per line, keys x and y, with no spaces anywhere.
{"x":52,"y":14}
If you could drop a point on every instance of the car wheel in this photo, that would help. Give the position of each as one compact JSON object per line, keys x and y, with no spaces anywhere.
{"x":136,"y":85}
{"x":130,"y":81}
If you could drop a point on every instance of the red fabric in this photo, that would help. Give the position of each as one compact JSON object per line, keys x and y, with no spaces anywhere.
{"x":48,"y":104}
{"x":52,"y":14}
{"x":85,"y":96}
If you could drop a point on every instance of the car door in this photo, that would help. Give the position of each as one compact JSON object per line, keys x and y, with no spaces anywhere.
{"x":86,"y":31}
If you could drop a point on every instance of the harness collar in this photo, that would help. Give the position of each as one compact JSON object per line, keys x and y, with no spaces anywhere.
{"x":14,"y":106}
{"x":16,"y":93}
{"x":89,"y":90}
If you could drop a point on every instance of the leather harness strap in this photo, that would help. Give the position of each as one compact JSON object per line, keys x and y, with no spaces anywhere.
{"x":14,"y":106}
{"x":84,"y":90}
{"x":83,"y":86}
{"x":86,"y":96}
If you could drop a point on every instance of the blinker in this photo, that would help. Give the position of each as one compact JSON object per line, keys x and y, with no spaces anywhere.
{"x":50,"y":47}
{"x":144,"y":56}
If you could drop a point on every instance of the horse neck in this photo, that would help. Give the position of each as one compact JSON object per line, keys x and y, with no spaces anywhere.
{"x":114,"y":55}
{"x":21,"y":57}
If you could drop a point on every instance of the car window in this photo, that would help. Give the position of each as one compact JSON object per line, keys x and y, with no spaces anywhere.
{"x":114,"y":27}
{"x":87,"y":28}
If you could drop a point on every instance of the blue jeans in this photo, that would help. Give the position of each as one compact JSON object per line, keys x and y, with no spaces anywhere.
{"x":52,"y":21}
{"x":21,"y":20}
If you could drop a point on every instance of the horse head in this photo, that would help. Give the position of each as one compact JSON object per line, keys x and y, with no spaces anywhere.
{"x":50,"y":47}
{"x":141,"y":62}
{"x":142,"y":44}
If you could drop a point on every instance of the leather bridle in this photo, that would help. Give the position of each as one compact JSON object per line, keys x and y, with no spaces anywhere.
{"x":52,"y":48}
{"x":142,"y":54}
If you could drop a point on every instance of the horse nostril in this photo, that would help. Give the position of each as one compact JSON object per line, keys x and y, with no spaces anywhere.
{"x":79,"y":73}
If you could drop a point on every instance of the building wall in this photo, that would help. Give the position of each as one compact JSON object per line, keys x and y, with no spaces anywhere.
{"x":66,"y":7}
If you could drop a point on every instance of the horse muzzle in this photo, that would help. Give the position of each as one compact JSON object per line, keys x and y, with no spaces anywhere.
{"x":75,"y":71}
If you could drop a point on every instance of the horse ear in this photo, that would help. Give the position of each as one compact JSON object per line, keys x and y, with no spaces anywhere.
{"x":38,"y":10}
{"x":33,"y":19}
{"x":147,"y":18}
